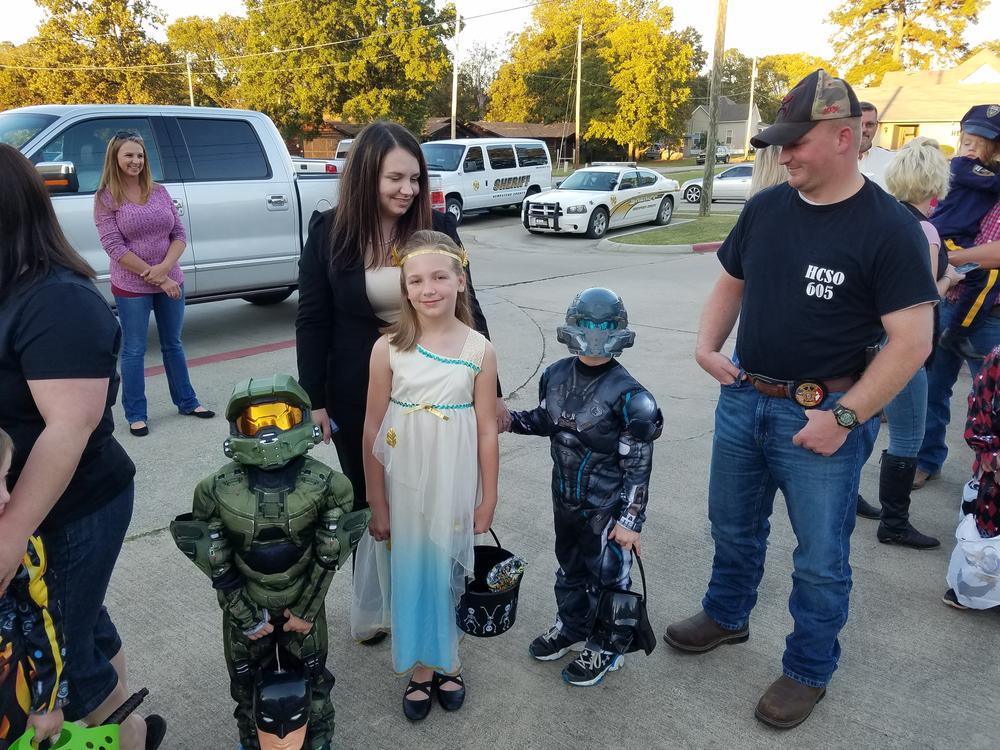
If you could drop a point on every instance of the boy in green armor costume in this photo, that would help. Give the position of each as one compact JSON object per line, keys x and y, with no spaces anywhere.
{"x":270,"y":528}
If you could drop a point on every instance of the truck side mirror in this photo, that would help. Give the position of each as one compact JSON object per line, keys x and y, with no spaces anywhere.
{"x":59,"y":176}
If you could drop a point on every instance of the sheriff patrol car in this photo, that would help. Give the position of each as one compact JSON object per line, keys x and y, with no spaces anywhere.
{"x":599,"y":198}
{"x":483,"y":173}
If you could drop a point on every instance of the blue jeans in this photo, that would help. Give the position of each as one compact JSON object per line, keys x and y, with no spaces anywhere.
{"x":133,"y":312}
{"x":906,"y":415}
{"x":941,"y":377}
{"x":82,"y":555}
{"x":752,"y":457}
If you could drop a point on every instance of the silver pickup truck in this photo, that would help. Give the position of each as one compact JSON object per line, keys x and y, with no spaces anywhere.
{"x":245,"y":208}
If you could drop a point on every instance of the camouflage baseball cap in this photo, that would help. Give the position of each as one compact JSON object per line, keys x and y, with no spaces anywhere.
{"x":819,"y":96}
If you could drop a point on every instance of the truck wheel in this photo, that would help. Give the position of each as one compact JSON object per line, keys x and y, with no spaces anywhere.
{"x":665,"y":212}
{"x":453,"y":206}
{"x":269,"y":298}
{"x":598,"y":225}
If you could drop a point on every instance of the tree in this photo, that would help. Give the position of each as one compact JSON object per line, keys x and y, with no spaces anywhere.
{"x":100,"y":51}
{"x":15,"y":87}
{"x":475,"y":75}
{"x":650,"y":69}
{"x":214,"y":43}
{"x":635,"y":70}
{"x":878,"y":36}
{"x":361,"y":60}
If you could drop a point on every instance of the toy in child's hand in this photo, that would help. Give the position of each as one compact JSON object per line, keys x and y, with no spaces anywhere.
{"x":76,"y":737}
{"x":505,"y":574}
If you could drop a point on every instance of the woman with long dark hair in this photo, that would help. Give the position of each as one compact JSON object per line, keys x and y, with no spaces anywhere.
{"x":349,"y":287}
{"x":71,"y":481}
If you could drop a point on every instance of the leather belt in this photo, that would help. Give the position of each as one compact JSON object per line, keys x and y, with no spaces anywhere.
{"x":808,"y":393}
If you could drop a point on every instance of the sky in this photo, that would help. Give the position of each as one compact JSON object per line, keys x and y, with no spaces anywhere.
{"x":754,"y":27}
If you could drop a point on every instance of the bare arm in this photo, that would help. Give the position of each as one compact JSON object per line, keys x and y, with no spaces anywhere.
{"x":987,"y":256}
{"x":485,"y":401}
{"x":71,"y":409}
{"x":718,"y":317}
{"x":910,"y":333}
{"x":379,"y":388}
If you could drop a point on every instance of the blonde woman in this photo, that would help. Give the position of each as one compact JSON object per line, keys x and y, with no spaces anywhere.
{"x":142,"y":233}
{"x":917,"y":176}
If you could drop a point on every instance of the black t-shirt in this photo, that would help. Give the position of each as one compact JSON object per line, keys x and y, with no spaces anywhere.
{"x":61,"y":328}
{"x":818,"y":279}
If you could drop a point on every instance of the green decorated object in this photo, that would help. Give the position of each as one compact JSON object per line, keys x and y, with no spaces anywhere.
{"x":75,"y":737}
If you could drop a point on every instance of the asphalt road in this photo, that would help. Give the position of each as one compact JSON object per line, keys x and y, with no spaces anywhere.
{"x":913,"y":672}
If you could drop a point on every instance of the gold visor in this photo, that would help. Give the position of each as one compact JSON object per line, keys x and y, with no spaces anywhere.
{"x":258,"y":416}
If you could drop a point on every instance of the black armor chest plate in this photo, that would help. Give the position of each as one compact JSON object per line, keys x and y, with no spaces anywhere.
{"x":585,"y":406}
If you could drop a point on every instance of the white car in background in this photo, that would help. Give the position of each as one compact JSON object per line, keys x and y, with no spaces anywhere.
{"x":729,"y":184}
{"x":593,"y":200}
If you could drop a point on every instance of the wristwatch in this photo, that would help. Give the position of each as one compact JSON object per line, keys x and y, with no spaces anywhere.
{"x":845,"y":417}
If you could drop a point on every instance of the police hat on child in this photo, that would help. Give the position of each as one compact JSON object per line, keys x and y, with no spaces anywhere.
{"x":817,"y":97}
{"x":983,"y":120}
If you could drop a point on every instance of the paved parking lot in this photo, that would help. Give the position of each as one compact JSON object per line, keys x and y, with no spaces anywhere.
{"x":913,"y":673}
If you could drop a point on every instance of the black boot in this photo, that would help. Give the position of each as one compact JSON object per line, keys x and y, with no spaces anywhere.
{"x":894,"y":484}
{"x":866,"y":510}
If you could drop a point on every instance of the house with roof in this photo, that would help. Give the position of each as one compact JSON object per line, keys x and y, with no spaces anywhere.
{"x":932,"y":102}
{"x":732,"y":126}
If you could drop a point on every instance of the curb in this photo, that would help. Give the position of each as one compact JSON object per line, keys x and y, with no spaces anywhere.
{"x":698,"y":247}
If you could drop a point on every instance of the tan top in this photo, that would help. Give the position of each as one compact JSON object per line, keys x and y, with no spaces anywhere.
{"x":382,"y":287}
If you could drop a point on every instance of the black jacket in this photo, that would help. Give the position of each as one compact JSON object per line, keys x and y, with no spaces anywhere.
{"x":336,"y":327}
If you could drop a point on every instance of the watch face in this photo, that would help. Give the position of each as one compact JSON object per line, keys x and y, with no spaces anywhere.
{"x":846,"y":417}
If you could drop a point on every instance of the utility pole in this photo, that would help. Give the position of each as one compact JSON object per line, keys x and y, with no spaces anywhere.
{"x":753,"y":82}
{"x":713,"y":109}
{"x":188,"y":57}
{"x":454,"y":80}
{"x":579,"y":60}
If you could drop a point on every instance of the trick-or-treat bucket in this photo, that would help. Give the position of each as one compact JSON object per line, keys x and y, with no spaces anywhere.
{"x":481,"y":612}
{"x":76,"y":737}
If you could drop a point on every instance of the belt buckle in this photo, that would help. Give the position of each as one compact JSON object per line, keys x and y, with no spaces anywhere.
{"x":809,"y":393}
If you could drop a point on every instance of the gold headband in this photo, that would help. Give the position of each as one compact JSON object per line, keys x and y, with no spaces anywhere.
{"x":461,"y":256}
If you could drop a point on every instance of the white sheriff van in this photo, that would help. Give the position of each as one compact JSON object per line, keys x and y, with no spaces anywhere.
{"x":483,"y":173}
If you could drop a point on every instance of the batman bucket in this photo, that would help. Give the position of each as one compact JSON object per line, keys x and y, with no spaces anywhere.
{"x":481,"y":612}
{"x":622,"y":625}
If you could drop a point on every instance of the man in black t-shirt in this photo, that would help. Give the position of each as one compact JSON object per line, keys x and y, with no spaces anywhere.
{"x":816,"y":270}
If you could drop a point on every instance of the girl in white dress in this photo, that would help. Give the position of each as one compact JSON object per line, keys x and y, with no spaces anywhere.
{"x":431,"y":460}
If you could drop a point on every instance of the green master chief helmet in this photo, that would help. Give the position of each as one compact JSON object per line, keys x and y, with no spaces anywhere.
{"x":269,"y":422}
{"x":596,"y":324}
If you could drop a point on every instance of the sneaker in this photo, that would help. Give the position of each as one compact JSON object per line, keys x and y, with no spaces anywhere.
{"x":553,"y":645}
{"x":590,"y":667}
{"x":951,"y":600}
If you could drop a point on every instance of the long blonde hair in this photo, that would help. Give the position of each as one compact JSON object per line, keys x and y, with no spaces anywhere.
{"x":404,"y":333}
{"x":767,"y":172}
{"x":111,"y":178}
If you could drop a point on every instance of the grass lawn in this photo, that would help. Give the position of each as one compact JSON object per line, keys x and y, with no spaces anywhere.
{"x":702,"y":229}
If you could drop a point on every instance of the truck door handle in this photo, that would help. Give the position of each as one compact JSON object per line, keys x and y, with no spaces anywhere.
{"x":179,"y":206}
{"x":277,"y":201}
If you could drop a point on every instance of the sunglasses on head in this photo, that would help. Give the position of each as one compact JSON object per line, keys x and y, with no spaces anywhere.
{"x":129,"y":135}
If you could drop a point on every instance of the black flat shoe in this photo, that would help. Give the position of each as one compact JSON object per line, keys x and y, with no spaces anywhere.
{"x":417,"y":710}
{"x":375,"y":639}
{"x":156,"y":728}
{"x":206,"y":414}
{"x":450,"y":700}
{"x":139,"y":431}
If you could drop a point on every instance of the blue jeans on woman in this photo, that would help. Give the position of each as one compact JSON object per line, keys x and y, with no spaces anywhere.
{"x":133,"y":312}
{"x":753,"y":457}
{"x":82,"y":555}
{"x":941,"y":377}
{"x":906,"y":415}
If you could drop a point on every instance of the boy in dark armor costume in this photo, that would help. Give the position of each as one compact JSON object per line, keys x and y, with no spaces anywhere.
{"x":270,"y":528}
{"x":601,"y":423}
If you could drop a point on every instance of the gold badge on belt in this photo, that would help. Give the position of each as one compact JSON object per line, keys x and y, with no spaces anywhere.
{"x":809,"y":394}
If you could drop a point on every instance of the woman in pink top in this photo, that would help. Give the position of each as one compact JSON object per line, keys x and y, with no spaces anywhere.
{"x":142,"y":233}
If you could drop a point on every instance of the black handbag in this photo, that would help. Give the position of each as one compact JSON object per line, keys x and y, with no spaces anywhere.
{"x":622,"y":625}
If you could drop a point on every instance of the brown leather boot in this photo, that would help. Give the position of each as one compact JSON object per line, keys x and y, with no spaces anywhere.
{"x":787,"y":703}
{"x":701,"y":633}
